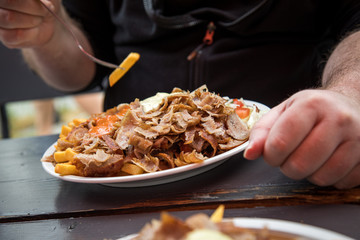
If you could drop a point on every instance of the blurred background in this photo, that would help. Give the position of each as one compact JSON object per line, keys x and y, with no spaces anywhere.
{"x":30,"y":108}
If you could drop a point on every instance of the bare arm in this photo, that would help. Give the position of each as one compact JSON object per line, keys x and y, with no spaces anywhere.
{"x":47,"y":46}
{"x":342,"y":71}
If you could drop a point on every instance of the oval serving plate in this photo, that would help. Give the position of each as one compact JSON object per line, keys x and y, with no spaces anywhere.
{"x":149,"y":179}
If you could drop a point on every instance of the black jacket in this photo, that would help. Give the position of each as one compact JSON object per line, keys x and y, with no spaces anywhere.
{"x":263,"y":50}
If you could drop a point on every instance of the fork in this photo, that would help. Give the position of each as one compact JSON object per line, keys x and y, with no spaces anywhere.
{"x":67,"y":27}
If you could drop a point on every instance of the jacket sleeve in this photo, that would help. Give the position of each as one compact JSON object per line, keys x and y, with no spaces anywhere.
{"x":347,"y":18}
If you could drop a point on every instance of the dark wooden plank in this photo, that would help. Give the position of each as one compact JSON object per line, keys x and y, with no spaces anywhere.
{"x":28,"y":192}
{"x":339,"y":218}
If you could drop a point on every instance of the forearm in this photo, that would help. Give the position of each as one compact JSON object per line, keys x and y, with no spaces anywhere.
{"x":342,"y":71}
{"x":59,"y":62}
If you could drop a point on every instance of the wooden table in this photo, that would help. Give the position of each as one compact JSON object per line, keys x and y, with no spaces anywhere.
{"x":35,"y":205}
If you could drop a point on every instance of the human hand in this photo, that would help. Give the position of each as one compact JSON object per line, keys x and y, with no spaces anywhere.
{"x":27,"y":24}
{"x":315,"y":134}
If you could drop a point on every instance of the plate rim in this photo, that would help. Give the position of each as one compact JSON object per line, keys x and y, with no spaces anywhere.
{"x":49,"y":168}
{"x":301,"y":229}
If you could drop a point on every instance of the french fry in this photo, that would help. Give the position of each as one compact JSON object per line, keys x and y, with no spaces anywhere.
{"x":66,"y":169}
{"x":65,"y":130}
{"x":69,"y":154}
{"x":132,"y":169}
{"x":71,"y":124}
{"x":218,"y":214}
{"x":60,"y":157}
{"x":78,"y":121}
{"x":64,"y":156}
{"x":57,"y":148}
{"x":129,"y":61}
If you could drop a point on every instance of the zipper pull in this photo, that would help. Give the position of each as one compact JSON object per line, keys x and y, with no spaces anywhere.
{"x":207,"y":40}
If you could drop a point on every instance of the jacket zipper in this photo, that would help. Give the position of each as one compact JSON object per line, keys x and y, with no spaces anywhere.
{"x":195,"y":56}
{"x":207,"y":40}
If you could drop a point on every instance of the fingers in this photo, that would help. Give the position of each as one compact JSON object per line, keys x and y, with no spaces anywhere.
{"x":339,"y":166}
{"x":10,"y":19}
{"x":288,"y":133}
{"x":312,"y":151}
{"x":22,"y":23}
{"x":313,"y":135}
{"x":351,"y":180}
{"x":18,"y":38}
{"x":260,"y":132}
{"x":30,"y":7}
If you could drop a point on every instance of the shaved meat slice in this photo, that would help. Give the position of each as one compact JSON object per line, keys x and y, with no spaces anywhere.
{"x":182,"y":119}
{"x":170,"y":228}
{"x":77,"y":134}
{"x":164,"y":143}
{"x":49,"y":158}
{"x":92,"y":146}
{"x":98,"y":158}
{"x":193,"y":157}
{"x":63,"y":144}
{"x":166,"y":161}
{"x":231,"y":144}
{"x":213,"y":127}
{"x":110,"y":142}
{"x":140,"y":143}
{"x":211,"y":140}
{"x":162,"y":128}
{"x":148,"y":133}
{"x":197,"y":143}
{"x":180,"y":162}
{"x":190,"y":135}
{"x":148,"y":163}
{"x":237,"y":128}
{"x":99,"y":164}
{"x":128,"y":124}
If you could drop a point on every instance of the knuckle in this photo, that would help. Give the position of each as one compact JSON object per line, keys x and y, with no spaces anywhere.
{"x":343,"y":119}
{"x":273,"y":151}
{"x":319,"y":180}
{"x":277,"y":143}
{"x":295,"y":169}
{"x":313,"y":101}
{"x":7,"y":17}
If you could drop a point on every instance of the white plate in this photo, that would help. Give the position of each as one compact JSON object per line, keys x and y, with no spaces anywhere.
{"x":303,"y":231}
{"x":155,"y":178}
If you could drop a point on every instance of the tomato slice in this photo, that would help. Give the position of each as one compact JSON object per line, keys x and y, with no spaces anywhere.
{"x":238,"y":102}
{"x":242,"y":112}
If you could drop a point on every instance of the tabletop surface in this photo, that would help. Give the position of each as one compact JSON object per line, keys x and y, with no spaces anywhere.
{"x":34,"y":202}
